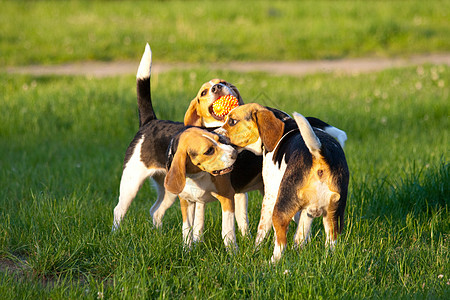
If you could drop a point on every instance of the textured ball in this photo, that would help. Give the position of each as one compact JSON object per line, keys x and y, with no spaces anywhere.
{"x":223,"y":105}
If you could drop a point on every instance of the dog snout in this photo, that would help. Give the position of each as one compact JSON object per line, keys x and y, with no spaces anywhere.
{"x":216,"y":88}
{"x":222,"y":132}
{"x":224,"y":139}
{"x":234,"y":154}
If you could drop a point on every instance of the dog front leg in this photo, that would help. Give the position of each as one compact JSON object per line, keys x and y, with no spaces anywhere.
{"x":188,"y":214}
{"x":228,"y":228}
{"x":241,"y":205}
{"x":199,"y":221}
{"x":265,"y":222}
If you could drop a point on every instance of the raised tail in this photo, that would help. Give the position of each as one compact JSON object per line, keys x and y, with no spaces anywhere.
{"x":311,"y":140}
{"x":144,"y":97}
{"x":338,"y":134}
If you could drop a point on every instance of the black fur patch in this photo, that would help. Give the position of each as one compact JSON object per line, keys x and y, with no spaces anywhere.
{"x":283,"y":148}
{"x":247,"y":167}
{"x":157,"y":135}
{"x":317,"y":123}
{"x":144,"y":99}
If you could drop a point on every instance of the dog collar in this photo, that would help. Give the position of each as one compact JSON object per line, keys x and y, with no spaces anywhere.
{"x":282,"y":138}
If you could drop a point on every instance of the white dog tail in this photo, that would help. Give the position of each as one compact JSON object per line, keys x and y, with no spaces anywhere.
{"x":311,"y":140}
{"x":144,"y":96}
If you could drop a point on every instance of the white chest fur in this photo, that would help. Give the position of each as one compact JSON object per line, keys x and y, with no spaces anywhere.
{"x":198,"y":188}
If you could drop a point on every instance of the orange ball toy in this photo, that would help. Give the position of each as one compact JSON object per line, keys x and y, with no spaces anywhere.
{"x":223,"y":105}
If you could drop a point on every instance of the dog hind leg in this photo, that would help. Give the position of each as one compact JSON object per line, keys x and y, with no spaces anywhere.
{"x":133,"y":176}
{"x":164,"y":200}
{"x":281,"y":219}
{"x":332,"y":221}
{"x":303,"y":229}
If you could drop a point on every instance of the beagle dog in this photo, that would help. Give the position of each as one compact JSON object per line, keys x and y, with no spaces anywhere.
{"x":200,"y":111}
{"x":304,"y":170}
{"x":180,"y":160}
{"x":246,"y":175}
{"x":193,"y":155}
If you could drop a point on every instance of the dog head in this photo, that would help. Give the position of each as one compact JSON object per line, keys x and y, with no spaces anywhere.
{"x":200,"y":111}
{"x":196,"y":150}
{"x":252,"y":126}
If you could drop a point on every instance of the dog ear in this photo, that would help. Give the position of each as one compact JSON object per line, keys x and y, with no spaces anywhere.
{"x":270,"y":128}
{"x":191,"y":118}
{"x":236,"y":92}
{"x":176,"y":176}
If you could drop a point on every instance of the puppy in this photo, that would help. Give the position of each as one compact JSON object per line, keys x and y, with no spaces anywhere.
{"x":304,"y":170}
{"x":193,"y":153}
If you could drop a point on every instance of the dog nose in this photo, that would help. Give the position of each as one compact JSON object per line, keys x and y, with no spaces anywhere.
{"x":216,"y":88}
{"x":221,"y":132}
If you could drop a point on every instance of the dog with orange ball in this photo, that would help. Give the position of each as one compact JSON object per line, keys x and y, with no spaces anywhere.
{"x":212,"y":103}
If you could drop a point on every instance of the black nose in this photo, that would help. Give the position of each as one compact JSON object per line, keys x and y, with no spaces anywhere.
{"x":224,"y":140}
{"x":216,"y":88}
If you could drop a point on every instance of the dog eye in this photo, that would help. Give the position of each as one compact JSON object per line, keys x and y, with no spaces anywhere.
{"x":204,"y":93}
{"x":210,"y":151}
{"x":232,"y":122}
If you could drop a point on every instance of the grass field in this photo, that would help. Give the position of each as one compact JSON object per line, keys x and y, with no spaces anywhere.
{"x":62,"y":141}
{"x":51,"y":32}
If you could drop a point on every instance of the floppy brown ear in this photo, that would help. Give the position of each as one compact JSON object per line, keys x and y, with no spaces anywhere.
{"x":176,"y":176}
{"x":270,"y":128}
{"x":191,"y":118}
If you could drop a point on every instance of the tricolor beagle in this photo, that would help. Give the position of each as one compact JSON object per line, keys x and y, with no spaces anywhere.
{"x":246,"y":175}
{"x":193,"y":155}
{"x":185,"y":155}
{"x":200,"y":111}
{"x":304,"y":170}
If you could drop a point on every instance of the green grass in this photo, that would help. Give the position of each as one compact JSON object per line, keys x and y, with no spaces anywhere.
{"x":62,"y":142}
{"x":51,"y":32}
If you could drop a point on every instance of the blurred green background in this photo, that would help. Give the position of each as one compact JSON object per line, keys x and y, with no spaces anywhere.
{"x":40,"y":32}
